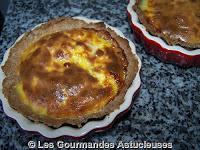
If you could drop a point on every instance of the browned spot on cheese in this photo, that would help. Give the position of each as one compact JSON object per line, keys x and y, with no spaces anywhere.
{"x":99,"y":52}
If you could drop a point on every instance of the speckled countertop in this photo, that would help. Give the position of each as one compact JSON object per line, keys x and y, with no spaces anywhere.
{"x":168,"y":107}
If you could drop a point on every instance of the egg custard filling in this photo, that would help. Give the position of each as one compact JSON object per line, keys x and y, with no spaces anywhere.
{"x":68,"y":74}
{"x":176,"y":21}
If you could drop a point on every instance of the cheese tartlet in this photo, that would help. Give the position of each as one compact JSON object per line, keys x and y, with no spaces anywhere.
{"x":175,"y":21}
{"x":67,"y":71}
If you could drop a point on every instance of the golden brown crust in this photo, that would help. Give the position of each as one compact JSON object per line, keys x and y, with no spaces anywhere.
{"x":151,"y":29}
{"x":52,"y":26}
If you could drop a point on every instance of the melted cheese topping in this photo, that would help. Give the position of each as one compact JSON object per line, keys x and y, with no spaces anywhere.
{"x":175,"y":19}
{"x":72,"y":73}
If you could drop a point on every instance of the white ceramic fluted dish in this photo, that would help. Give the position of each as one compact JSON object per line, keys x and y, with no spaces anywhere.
{"x":46,"y":131}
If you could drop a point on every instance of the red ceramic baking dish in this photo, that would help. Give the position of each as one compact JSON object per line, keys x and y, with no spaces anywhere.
{"x":158,"y":47}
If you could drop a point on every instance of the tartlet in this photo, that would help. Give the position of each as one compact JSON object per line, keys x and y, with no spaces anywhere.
{"x":166,"y":29}
{"x":67,"y":71}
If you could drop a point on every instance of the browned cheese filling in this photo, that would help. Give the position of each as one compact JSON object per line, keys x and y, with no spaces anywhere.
{"x":71,"y":73}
